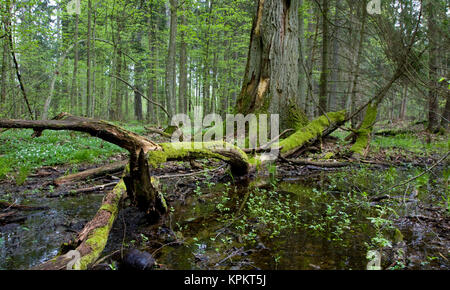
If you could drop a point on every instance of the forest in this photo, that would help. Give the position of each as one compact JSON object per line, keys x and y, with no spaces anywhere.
{"x":224,"y":135}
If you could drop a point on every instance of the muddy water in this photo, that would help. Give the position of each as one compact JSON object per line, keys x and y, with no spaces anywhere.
{"x":288,"y":225}
{"x":38,"y":238}
{"x":210,"y":242}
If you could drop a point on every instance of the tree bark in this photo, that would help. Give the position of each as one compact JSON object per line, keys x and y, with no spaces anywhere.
{"x":88,"y":62}
{"x":74,"y":88}
{"x":323,"y":85}
{"x":433,"y":39}
{"x":182,"y":94}
{"x":356,"y":66}
{"x":271,"y":77}
{"x":90,"y":173}
{"x":170,"y":87}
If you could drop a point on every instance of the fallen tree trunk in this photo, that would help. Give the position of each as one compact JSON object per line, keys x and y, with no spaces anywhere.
{"x":325,"y":164}
{"x":94,"y":172}
{"x":142,"y":153}
{"x":309,"y":134}
{"x":364,"y":133}
{"x":91,"y":241}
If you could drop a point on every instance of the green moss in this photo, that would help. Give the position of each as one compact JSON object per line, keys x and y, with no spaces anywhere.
{"x":184,"y":150}
{"x":314,"y":129}
{"x":97,"y":243}
{"x":98,"y":238}
{"x":328,"y":155}
{"x":363,"y":134}
{"x":361,"y":143}
{"x":108,"y":207}
{"x":296,"y":118}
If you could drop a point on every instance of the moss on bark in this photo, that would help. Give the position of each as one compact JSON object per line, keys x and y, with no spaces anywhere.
{"x":311,"y":132}
{"x":364,"y":133}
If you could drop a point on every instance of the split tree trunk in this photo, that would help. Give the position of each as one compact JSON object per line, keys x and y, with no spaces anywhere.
{"x":271,"y":77}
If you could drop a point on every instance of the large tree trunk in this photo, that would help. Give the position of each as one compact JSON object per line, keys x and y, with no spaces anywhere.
{"x":433,"y":39}
{"x":301,"y":71}
{"x":335,"y":87}
{"x":88,"y":62}
{"x":152,"y":26}
{"x":323,"y":85}
{"x":271,"y":77}
{"x":356,"y":66}
{"x":4,"y":71}
{"x":182,"y":95}
{"x":74,"y":88}
{"x":138,"y":71}
{"x":171,"y":65}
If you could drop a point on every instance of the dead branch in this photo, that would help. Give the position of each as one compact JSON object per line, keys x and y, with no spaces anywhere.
{"x":82,"y":190}
{"x":325,"y":164}
{"x":7,"y":205}
{"x":142,"y":95}
{"x":157,"y":131}
{"x":94,"y":172}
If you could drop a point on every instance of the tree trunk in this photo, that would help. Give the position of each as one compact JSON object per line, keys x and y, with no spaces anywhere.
{"x":8,"y":34}
{"x":335,"y":88}
{"x":323,"y":85}
{"x":4,"y":65}
{"x":446,"y":114}
{"x":404,"y":102}
{"x":138,"y":72}
{"x":88,"y":62}
{"x":356,"y":66}
{"x":170,"y":87}
{"x":182,"y":94}
{"x":433,"y":39}
{"x":74,"y":88}
{"x":271,"y":77}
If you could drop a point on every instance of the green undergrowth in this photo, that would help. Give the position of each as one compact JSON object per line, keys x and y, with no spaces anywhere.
{"x":413,"y":143}
{"x":20,"y":153}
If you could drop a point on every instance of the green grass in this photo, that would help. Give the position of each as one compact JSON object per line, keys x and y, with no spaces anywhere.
{"x":412,"y":143}
{"x":20,"y":153}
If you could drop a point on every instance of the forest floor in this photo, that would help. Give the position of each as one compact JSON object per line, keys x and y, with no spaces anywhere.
{"x":285,"y":216}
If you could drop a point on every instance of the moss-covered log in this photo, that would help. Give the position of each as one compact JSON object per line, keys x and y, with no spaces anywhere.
{"x":97,"y":128}
{"x":364,"y":132}
{"x":91,"y":241}
{"x":143,"y":154}
{"x":310,"y":133}
{"x":231,"y":154}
